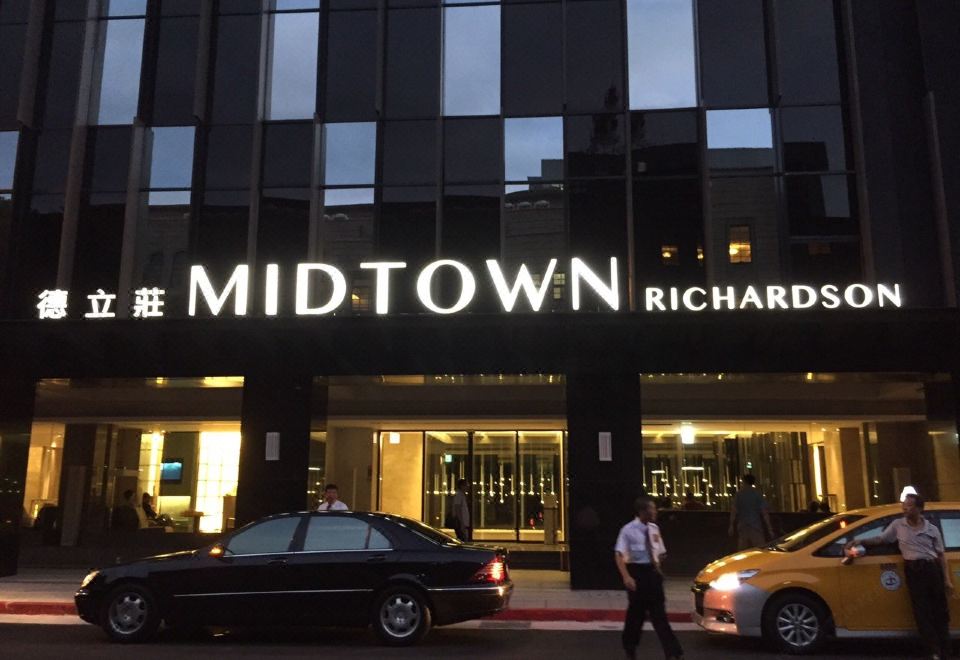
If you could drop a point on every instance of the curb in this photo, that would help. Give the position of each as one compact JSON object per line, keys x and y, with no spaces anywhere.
{"x":523,"y":614}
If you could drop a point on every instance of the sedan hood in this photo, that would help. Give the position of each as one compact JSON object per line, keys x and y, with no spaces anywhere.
{"x":740,"y":561}
{"x":171,"y":556}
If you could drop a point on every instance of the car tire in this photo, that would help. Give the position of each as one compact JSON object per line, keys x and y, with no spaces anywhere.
{"x":130,"y":614}
{"x":401,"y":616}
{"x":796,"y":623}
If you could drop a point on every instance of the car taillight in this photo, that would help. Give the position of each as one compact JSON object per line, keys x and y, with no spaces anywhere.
{"x":494,"y":571}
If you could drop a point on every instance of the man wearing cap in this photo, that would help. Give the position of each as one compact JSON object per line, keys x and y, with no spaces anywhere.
{"x":638,"y":551}
{"x":927,"y":572}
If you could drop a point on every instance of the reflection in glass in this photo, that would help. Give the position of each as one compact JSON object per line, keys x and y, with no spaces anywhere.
{"x":665,"y":142}
{"x":171,"y":163}
{"x":821,"y":261}
{"x":807,"y":52}
{"x":534,"y":231}
{"x":123,"y":8}
{"x":495,"y":486}
{"x":409,"y":152}
{"x":284,"y":5}
{"x":595,"y":145}
{"x":740,"y":139}
{"x":662,"y":55}
{"x":471,"y":61}
{"x":733,"y":52}
{"x":445,"y":463}
{"x":540,"y":485}
{"x":162,"y":245}
{"x":750,"y":201}
{"x":98,"y":243}
{"x":108,"y":158}
{"x":287,"y":154}
{"x":8,"y":158}
{"x":174,"y":75}
{"x":813,"y":139}
{"x":820,"y":205}
{"x":347,"y":228}
{"x":593,"y":52}
{"x":352,"y":61}
{"x":350,"y":153}
{"x":412,"y":86}
{"x":12,"y":39}
{"x":471,"y":150}
{"x":293,"y":66}
{"x":531,"y":148}
{"x":228,"y":157}
{"x":668,"y":212}
{"x":533,"y":59}
{"x":120,"y":74}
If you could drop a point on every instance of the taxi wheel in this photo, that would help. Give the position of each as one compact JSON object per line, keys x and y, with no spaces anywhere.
{"x":796,"y":623}
{"x":130,"y":614}
{"x":401,"y":616}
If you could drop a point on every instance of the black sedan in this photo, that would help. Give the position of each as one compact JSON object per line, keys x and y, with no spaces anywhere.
{"x":317,"y":568}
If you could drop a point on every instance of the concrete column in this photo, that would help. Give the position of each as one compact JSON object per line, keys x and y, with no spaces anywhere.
{"x":601,"y":492}
{"x":854,"y":468}
{"x":905,"y":458}
{"x":273,"y":402}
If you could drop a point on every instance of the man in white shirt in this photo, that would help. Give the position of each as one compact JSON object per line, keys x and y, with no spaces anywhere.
{"x":638,"y":551}
{"x":331,"y":501}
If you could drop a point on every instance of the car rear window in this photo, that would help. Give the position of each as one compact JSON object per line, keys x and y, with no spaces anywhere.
{"x":423,"y":529}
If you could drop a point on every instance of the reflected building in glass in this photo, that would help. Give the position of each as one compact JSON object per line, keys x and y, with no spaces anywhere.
{"x":776,"y":146}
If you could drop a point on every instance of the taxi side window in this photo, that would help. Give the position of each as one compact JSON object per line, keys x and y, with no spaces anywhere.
{"x":950,"y":528}
{"x":866,"y":531}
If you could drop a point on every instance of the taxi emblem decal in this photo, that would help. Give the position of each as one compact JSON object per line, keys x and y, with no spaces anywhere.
{"x":890,"y":580}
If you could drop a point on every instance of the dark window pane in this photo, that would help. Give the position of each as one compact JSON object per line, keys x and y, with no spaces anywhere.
{"x":175,"y":71}
{"x":471,"y":60}
{"x":472,"y":150}
{"x":740,"y":140}
{"x":97,"y":257}
{"x":820,"y":205}
{"x":470,"y":232}
{"x":14,"y":11}
{"x":171,"y":160}
{"x":347,"y":226}
{"x":351,"y":66}
{"x":665,"y":142}
{"x":222,"y":231}
{"x":595,"y":145}
{"x":669,"y":212}
{"x":533,"y":149}
{"x":287,"y":155}
{"x":239,"y":6}
{"x":750,"y":202}
{"x":353,"y":4}
{"x":11,"y":55}
{"x":819,"y":262}
{"x":409,"y":152}
{"x":235,"y":74}
{"x":533,"y":59}
{"x":594,"y":56}
{"x":413,"y":3}
{"x":162,"y":250}
{"x":58,"y":97}
{"x":120,"y":57}
{"x":598,"y":231}
{"x":733,"y":61}
{"x":52,"y":159}
{"x":661,"y":54}
{"x":292,"y":84}
{"x":350,"y":154}
{"x":413,"y":69}
{"x":70,"y":11}
{"x":407,"y":232}
{"x":813,"y":139}
{"x":282,"y":238}
{"x":807,"y":52}
{"x":179,"y":7}
{"x":228,"y":157}
{"x":534,"y":232}
{"x":108,"y":159}
{"x":34,"y":265}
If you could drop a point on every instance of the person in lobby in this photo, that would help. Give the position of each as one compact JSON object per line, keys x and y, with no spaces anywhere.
{"x":331,"y":499}
{"x":461,"y":511}
{"x":750,"y":516}
{"x":927,"y":571}
{"x":146,"y":503}
{"x":125,"y":515}
{"x":638,"y":552}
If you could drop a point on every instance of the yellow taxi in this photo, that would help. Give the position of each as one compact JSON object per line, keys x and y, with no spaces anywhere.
{"x":797,"y":591}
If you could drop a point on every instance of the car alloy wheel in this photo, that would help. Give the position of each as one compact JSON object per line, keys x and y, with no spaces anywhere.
{"x":798,"y":625}
{"x":401,"y":616}
{"x":130,"y":614}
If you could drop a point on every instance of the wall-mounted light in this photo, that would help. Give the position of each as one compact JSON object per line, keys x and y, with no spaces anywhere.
{"x":394,"y":438}
{"x":688,"y":434}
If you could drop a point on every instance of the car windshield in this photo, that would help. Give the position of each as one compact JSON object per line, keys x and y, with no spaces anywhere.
{"x":423,"y":529}
{"x":803,"y":537}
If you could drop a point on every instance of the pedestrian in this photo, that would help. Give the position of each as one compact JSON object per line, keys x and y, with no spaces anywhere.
{"x":824,"y":506}
{"x":750,"y":516}
{"x":461,"y":511}
{"x":331,"y":499}
{"x":638,"y":552}
{"x":927,"y":573}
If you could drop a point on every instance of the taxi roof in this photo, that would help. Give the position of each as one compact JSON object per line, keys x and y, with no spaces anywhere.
{"x":886,"y":509}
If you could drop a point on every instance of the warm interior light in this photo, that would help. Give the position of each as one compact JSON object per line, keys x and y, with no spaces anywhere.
{"x":218,"y":467}
{"x":734,"y":250}
{"x":666,"y":255}
{"x":394,"y":438}
{"x":688,"y":434}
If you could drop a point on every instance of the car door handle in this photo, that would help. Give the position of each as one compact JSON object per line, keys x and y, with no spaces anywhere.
{"x":277,"y":562}
{"x":375,"y":558}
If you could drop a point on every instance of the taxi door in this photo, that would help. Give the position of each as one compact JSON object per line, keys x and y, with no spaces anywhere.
{"x":873,"y":589}
{"x":950,"y":528}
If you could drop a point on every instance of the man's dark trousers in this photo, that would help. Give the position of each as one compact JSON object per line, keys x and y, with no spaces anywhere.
{"x":928,"y":596}
{"x":648,"y":599}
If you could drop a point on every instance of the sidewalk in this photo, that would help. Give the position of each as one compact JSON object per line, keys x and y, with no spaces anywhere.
{"x":537,"y":596}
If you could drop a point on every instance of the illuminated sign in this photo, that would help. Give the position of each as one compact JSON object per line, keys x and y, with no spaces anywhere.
{"x":321,"y":289}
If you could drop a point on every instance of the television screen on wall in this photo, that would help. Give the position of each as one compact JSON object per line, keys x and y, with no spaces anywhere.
{"x":171,"y":471}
